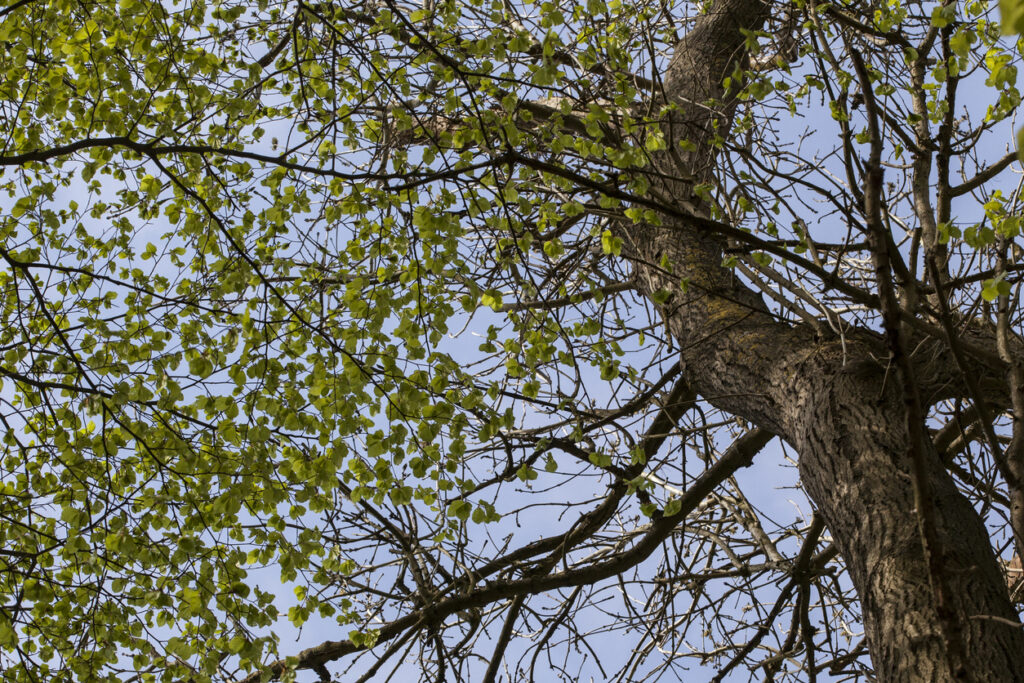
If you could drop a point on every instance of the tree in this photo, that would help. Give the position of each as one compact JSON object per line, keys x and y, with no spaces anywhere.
{"x":461,"y":319}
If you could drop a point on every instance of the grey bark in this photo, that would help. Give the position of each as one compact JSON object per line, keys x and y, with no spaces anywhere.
{"x":838,"y":407}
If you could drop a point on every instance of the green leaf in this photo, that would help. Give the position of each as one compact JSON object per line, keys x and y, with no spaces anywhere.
{"x":960,"y":42}
{"x":611,"y":244}
{"x":944,"y":15}
{"x":994,"y":288}
{"x":236,"y":644}
{"x":491,"y":298}
{"x":526,"y":473}
{"x":1012,"y":12}
{"x":150,"y":185}
{"x":609,"y":370}
{"x":200,"y":367}
{"x":192,"y":598}
{"x":22,"y":206}
{"x":460,"y":509}
{"x":672,"y":507}
{"x":661,"y":296}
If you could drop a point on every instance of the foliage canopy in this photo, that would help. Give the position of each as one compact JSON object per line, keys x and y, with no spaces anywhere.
{"x":353,"y":299}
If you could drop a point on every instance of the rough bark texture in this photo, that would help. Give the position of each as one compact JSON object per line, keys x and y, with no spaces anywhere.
{"x":836,"y":406}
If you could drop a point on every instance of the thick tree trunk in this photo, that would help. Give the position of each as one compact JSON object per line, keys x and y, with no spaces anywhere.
{"x":850,"y":432}
{"x":834,"y":403}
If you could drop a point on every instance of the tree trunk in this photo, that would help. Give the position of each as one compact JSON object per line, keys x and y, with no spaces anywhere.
{"x":835,"y":403}
{"x":851,"y":436}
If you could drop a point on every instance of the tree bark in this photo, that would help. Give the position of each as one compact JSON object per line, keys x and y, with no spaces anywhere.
{"x":837,"y":404}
